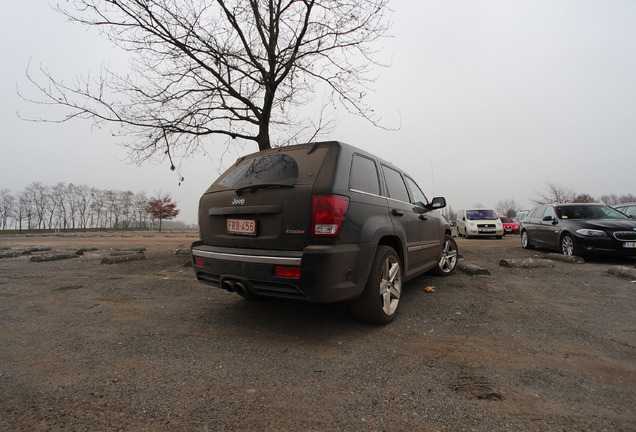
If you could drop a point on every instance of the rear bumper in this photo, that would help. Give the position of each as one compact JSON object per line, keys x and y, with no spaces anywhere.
{"x":327,"y":273}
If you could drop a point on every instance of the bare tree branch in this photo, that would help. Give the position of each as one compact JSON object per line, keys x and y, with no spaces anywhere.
{"x":223,"y":69}
{"x":555,"y":193}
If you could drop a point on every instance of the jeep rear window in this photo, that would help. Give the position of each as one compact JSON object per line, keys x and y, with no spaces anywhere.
{"x":297,"y":166}
{"x":272,"y":168}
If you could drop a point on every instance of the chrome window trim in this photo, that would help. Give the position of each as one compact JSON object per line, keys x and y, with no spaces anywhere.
{"x":367,"y":193}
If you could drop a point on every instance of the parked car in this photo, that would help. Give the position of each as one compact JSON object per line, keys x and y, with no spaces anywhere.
{"x":510,"y":226}
{"x":479,"y":222}
{"x":520,"y":216}
{"x":579,"y":229}
{"x":629,"y":209}
{"x":323,"y":222}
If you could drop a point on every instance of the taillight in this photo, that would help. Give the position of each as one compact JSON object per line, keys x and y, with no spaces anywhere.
{"x":328,"y":212}
{"x":287,"y":272}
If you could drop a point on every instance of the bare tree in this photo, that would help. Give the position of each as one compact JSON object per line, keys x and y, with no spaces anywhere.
{"x":97,"y":207}
{"x":7,"y":207}
{"x":140,"y":200}
{"x":112,"y":207}
{"x":222,"y":68}
{"x":38,"y":197}
{"x":584,"y":198}
{"x":126,"y":207}
{"x":614,"y":199}
{"x":610,"y":199}
{"x":25,"y":210}
{"x":68,"y":206}
{"x":555,"y":193}
{"x":450,"y":213}
{"x":59,"y":200}
{"x":83,"y":196}
{"x":507,"y":207}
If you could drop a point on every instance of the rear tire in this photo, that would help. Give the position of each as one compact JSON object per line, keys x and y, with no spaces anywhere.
{"x":381,"y":296}
{"x":448,"y":260}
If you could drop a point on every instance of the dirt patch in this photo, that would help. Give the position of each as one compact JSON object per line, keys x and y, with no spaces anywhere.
{"x":143,"y":345}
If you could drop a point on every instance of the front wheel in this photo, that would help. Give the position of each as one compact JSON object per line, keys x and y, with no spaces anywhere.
{"x":569,"y":246}
{"x":381,"y":296}
{"x":525,"y":240}
{"x":448,"y":260}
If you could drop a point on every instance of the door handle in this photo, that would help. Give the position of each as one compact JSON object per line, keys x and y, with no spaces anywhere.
{"x":422,"y":217}
{"x":395,"y":212}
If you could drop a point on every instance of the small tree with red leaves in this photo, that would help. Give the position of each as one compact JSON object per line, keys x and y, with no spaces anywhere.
{"x":162,"y":208}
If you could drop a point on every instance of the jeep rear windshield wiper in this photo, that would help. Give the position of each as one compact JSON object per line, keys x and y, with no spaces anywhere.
{"x":253,"y":187}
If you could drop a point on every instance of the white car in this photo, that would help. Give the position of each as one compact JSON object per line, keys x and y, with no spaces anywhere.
{"x":629,"y":209}
{"x":479,"y":222}
{"x":520,"y":216}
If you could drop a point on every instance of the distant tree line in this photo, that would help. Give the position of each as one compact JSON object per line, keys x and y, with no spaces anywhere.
{"x":554,"y":193}
{"x":69,"y":206}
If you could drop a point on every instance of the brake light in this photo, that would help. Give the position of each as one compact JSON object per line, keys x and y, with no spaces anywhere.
{"x":328,"y":212}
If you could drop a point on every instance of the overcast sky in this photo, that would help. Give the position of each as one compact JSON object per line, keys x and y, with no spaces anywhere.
{"x":494,"y":98}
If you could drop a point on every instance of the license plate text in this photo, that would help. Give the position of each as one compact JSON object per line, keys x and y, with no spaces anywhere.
{"x":241,"y":226}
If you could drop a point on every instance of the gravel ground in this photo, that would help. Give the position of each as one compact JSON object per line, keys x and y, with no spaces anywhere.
{"x":142,"y":345}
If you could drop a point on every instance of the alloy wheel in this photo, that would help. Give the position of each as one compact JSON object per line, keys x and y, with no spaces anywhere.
{"x":448,"y":260}
{"x":390,"y":284}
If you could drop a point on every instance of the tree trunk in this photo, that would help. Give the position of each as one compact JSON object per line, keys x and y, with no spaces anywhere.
{"x":263,"y":137}
{"x":263,"y":126}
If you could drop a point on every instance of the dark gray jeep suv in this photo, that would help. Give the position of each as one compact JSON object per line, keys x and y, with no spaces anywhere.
{"x":323,"y":222}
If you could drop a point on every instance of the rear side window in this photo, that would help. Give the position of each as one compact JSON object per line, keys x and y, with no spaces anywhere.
{"x":364,"y":175}
{"x":395,"y":184}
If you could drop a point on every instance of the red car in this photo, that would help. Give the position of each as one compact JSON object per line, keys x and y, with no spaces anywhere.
{"x":510,"y":226}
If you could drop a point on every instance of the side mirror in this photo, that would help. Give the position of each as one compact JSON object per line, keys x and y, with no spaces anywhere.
{"x":437,"y":203}
{"x":547,"y":218}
